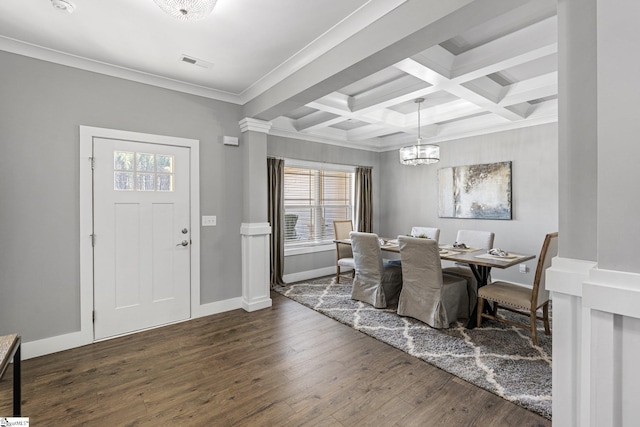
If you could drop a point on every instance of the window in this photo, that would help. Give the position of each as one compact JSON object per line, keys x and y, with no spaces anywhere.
{"x":313,"y":198}
{"x":142,"y":171}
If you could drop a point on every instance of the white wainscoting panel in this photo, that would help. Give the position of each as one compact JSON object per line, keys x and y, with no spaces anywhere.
{"x":596,"y":342}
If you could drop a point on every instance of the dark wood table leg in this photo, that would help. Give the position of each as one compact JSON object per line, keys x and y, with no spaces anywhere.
{"x":17,"y":382}
{"x":481,"y":273}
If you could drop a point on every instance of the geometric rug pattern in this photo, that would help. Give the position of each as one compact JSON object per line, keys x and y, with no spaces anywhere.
{"x":496,"y":357}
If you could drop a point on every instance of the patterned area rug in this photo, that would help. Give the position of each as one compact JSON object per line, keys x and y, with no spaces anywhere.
{"x":496,"y":357}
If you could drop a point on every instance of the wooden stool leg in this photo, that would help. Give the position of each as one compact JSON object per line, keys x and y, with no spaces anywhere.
{"x":479,"y":309}
{"x":17,"y":383}
{"x":534,"y":330}
{"x":338,"y":274}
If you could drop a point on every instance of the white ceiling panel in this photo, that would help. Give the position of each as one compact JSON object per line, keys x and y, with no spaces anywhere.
{"x":345,"y":72}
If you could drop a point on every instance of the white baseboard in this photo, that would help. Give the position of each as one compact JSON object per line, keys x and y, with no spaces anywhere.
{"x":55,"y":344}
{"x":58,"y":343}
{"x":256,"y":304}
{"x":312,"y":274}
{"x":217,"y":307}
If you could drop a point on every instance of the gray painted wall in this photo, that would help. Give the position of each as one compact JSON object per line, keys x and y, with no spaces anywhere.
{"x":409,"y":195}
{"x":43,"y":104}
{"x":618,"y":127}
{"x":578,"y":130}
{"x":41,"y":107}
{"x":310,"y":151}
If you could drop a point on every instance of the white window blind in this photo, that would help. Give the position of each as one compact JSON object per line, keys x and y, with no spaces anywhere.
{"x":313,"y":199}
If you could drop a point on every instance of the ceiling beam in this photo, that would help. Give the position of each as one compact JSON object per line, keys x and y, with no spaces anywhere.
{"x":407,"y":30}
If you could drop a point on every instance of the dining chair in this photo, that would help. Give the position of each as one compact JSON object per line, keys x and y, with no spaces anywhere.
{"x":521,"y":300}
{"x":376,"y":282}
{"x":344,"y":254}
{"x":427,"y":294}
{"x":428,"y":232}
{"x":473,"y":239}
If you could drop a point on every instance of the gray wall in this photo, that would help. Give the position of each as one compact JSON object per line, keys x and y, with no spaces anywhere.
{"x":41,"y":107}
{"x":578,"y":130}
{"x":618,"y":127}
{"x":310,"y":151}
{"x":409,"y":195}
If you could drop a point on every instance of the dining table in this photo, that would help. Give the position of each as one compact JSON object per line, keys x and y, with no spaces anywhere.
{"x":480,"y":261}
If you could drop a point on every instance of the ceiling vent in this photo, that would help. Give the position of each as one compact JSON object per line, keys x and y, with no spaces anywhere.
{"x":195,"y":61}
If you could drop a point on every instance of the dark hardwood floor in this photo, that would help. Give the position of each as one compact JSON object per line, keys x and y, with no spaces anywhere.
{"x":284,"y":366}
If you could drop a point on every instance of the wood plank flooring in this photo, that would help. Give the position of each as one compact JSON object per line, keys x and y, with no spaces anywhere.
{"x":283,"y":366}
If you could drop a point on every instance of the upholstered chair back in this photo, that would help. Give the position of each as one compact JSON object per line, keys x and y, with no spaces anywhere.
{"x":476,"y":238}
{"x":341,"y":229}
{"x":428,"y":295}
{"x":548,"y":252}
{"x":429,"y":232}
{"x":376,"y":282}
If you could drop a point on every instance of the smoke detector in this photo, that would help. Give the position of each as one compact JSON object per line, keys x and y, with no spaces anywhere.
{"x":63,"y":5}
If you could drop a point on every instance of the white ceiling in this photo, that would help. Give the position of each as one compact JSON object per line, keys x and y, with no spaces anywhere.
{"x":342,"y":72}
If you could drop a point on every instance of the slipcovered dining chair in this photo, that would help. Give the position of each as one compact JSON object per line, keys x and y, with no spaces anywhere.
{"x":428,"y":232}
{"x":376,"y":282}
{"x":427,"y":294}
{"x":519,"y":299}
{"x":473,"y":239}
{"x":344,"y":255}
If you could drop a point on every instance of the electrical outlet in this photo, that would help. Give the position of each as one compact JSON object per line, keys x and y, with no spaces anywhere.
{"x":523,"y":268}
{"x":208,"y":221}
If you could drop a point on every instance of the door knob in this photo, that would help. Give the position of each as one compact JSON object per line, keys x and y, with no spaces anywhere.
{"x":183,"y":243}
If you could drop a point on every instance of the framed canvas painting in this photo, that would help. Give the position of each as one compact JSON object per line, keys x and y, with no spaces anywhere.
{"x":476,"y":191}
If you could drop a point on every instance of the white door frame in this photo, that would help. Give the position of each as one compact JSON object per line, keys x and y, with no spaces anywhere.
{"x":87,"y":134}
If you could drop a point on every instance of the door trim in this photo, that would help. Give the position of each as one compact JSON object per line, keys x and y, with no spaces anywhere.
{"x":87,"y":134}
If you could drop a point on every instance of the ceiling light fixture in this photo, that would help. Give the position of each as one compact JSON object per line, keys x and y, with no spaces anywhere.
{"x":63,"y":5}
{"x":419,"y":153}
{"x":187,"y":10}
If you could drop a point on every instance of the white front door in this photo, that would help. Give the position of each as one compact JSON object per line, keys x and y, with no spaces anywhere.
{"x":142,"y":235}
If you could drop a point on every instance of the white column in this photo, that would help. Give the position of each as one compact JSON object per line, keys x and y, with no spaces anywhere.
{"x":255,"y":229}
{"x":255,"y":266}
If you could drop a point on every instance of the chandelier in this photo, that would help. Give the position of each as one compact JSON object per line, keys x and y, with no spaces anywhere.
{"x":419,"y":154}
{"x":187,"y":10}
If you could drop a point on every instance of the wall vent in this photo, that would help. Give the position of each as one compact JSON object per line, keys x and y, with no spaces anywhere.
{"x":195,"y":61}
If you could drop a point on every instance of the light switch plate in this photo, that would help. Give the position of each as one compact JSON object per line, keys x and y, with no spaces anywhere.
{"x":523,"y":268}
{"x":208,"y":220}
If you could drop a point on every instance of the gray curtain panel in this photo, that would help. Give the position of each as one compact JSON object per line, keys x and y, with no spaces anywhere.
{"x":275,"y":205}
{"x":364,"y":200}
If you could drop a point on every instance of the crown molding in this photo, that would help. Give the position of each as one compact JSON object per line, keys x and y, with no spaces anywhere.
{"x":248,"y":124}
{"x":352,"y":24}
{"x":61,"y":58}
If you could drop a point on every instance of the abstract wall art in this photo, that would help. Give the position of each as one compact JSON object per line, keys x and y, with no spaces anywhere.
{"x":476,"y":191}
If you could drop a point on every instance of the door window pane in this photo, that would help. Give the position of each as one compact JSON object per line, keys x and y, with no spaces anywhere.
{"x":123,"y":161}
{"x":123,"y":181}
{"x":145,"y":162}
{"x":145,"y":182}
{"x":165,"y":182}
{"x":164,"y":163}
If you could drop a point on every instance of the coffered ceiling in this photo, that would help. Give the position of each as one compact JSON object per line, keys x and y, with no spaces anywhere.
{"x":342,"y":72}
